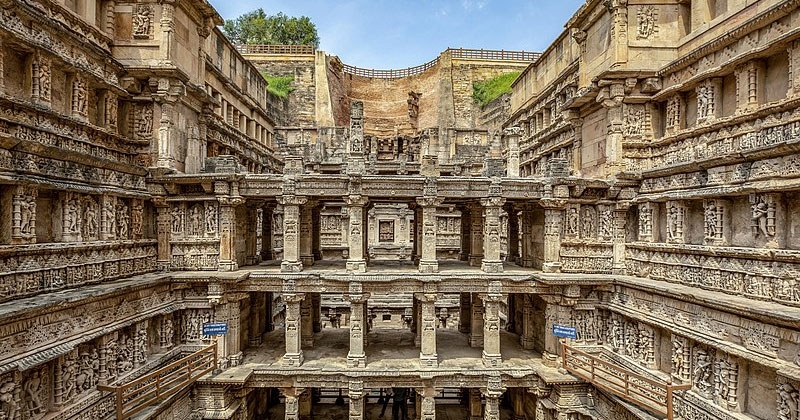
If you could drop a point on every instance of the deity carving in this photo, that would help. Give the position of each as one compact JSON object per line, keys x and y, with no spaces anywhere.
{"x":79,"y":96}
{"x":123,"y":220}
{"x":109,"y":213}
{"x":606,"y":223}
{"x":136,"y":218}
{"x":68,"y":378}
{"x":166,"y":333}
{"x":110,"y":110}
{"x":126,"y":349}
{"x":87,"y":370}
{"x":356,"y":128}
{"x":140,"y":346}
{"x":705,"y":101}
{"x":211,"y":217}
{"x":43,"y":78}
{"x":788,"y":401}
{"x":142,"y":21}
{"x":762,"y":215}
{"x":702,"y":372}
{"x":413,"y":104}
{"x":91,"y":223}
{"x":713,"y":226}
{"x":195,"y":227}
{"x":645,"y":222}
{"x":675,"y":216}
{"x":9,"y":398}
{"x":634,"y":120}
{"x":192,"y":325}
{"x":588,"y":229}
{"x":571,"y":225}
{"x":144,"y":122}
{"x":177,"y":219}
{"x":24,"y":209}
{"x":35,"y":393}
{"x":646,"y":22}
{"x":680,"y":358}
{"x":72,"y":210}
{"x":725,"y":382}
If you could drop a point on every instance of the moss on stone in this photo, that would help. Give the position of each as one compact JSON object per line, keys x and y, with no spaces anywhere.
{"x":491,"y":89}
{"x":280,"y":86}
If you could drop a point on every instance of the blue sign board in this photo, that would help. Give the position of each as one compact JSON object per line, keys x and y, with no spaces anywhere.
{"x":215,"y":328}
{"x":564,"y":331}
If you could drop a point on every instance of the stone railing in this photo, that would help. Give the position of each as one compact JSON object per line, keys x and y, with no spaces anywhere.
{"x":756,"y":273}
{"x":390,"y":73}
{"x":32,"y":269}
{"x":589,"y":258}
{"x":276,"y":49}
{"x":481,"y":54}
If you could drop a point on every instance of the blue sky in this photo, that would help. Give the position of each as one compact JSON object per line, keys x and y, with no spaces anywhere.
{"x":403,"y":33}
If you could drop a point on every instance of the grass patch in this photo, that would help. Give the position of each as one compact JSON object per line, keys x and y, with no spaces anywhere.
{"x":280,"y":86}
{"x":491,"y":89}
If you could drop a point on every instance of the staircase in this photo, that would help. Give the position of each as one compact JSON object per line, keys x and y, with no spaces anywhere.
{"x":650,"y":394}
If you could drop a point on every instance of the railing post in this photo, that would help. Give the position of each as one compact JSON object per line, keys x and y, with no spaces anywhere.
{"x":119,"y":403}
{"x":669,"y":402}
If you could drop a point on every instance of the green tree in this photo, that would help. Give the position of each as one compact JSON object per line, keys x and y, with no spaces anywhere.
{"x":257,"y":27}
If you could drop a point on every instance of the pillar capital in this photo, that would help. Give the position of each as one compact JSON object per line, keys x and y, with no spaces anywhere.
{"x":291,"y":200}
{"x":293,"y":298}
{"x":356,"y":200}
{"x":430,"y":201}
{"x":493,"y":201}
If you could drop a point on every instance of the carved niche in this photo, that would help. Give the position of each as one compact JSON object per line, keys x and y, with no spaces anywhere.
{"x":763,"y":215}
{"x":676,"y":213}
{"x":23,"y":228}
{"x":80,"y":96}
{"x":588,"y":222}
{"x":646,"y":17}
{"x":788,"y":397}
{"x":142,"y":22}
{"x":646,"y":222}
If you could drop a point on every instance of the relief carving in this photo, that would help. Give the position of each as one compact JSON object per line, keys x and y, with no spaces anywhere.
{"x":143,"y":21}
{"x":9,"y":398}
{"x":79,"y":96}
{"x":122,"y":220}
{"x":713,"y":226}
{"x":762,"y":215}
{"x":35,"y":393}
{"x":702,"y":372}
{"x":143,"y":122}
{"x":646,"y":22}
{"x":91,"y":224}
{"x":24,"y":214}
{"x":211,"y":217}
{"x":788,"y":400}
{"x":675,"y":216}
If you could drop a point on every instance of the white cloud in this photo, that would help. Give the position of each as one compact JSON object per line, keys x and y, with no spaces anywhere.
{"x":470,"y":5}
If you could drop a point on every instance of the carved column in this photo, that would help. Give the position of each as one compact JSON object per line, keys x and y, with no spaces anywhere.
{"x":356,"y":356}
{"x":355,"y":210}
{"x":294,"y":350}
{"x":291,"y":245}
{"x":252,"y":254}
{"x":2,"y":67}
{"x":258,"y":311}
{"x":553,"y":222}
{"x":476,"y":323}
{"x":512,"y":159}
{"x":355,"y":157}
{"x":527,"y":338}
{"x":513,"y":235}
{"x":291,"y":405}
{"x":229,"y":311}
{"x":227,"y":233}
{"x":620,"y":218}
{"x":427,"y":403}
{"x":611,"y":98}
{"x":164,"y":228}
{"x":526,"y":228}
{"x":675,"y":114}
{"x":476,"y":235}
{"x":492,"y":395}
{"x":552,"y":316}
{"x":491,"y":262}
{"x":306,"y":234}
{"x":491,"y":330}
{"x":315,"y":312}
{"x":428,"y":262}
{"x":573,"y":118}
{"x":307,"y":323}
{"x":355,"y":391}
{"x":427,"y":354}
{"x":465,"y":314}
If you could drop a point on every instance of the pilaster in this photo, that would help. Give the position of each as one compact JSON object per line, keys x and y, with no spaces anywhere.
{"x":23,"y":209}
{"x":476,"y":323}
{"x":294,"y":350}
{"x":573,"y":118}
{"x":553,"y":222}
{"x":476,"y":235}
{"x":356,"y":357}
{"x":355,"y":392}
{"x":528,"y":330}
{"x":427,"y":403}
{"x":750,"y":78}
{"x":307,"y":322}
{"x":491,"y":395}
{"x":428,"y":262}
{"x":356,"y":263}
{"x":491,"y":330}
{"x":491,"y":262}
{"x":427,"y":355}
{"x":164,"y":229}
{"x":307,"y":234}
{"x":611,"y":97}
{"x":291,"y":245}
{"x":227,"y":232}
{"x":512,"y":135}
{"x":620,"y":219}
{"x":465,"y":314}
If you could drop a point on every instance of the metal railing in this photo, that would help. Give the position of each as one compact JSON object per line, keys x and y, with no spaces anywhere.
{"x":389,"y":73}
{"x":482,"y":54}
{"x":275,"y":49}
{"x":152,"y":388}
{"x":648,"y":393}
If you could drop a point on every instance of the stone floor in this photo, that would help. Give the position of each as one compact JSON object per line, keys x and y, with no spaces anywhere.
{"x":389,"y":349}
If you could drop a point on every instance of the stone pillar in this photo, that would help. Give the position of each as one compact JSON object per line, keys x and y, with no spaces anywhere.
{"x":492,"y":409}
{"x":518,"y":404}
{"x":355,"y":391}
{"x":465,"y":314}
{"x":553,"y":222}
{"x":476,"y":323}
{"x":307,"y":323}
{"x":491,"y":330}
{"x":611,"y":98}
{"x":427,"y":354}
{"x":618,"y":240}
{"x":527,"y":237}
{"x":258,"y":312}
{"x":428,"y":262}
{"x":294,"y":349}
{"x":316,"y":314}
{"x":475,"y":406}
{"x":492,"y":263}
{"x":417,"y":323}
{"x":291,"y":244}
{"x":291,"y":406}
{"x":355,"y":210}
{"x":164,"y":228}
{"x":526,"y":340}
{"x":229,"y":311}
{"x":512,"y":157}
{"x":427,"y":403}
{"x":356,"y":356}
{"x":227,"y":233}
{"x":266,"y":232}
{"x":306,"y":231}
{"x":476,"y":235}
{"x":552,"y":315}
{"x":794,"y":69}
